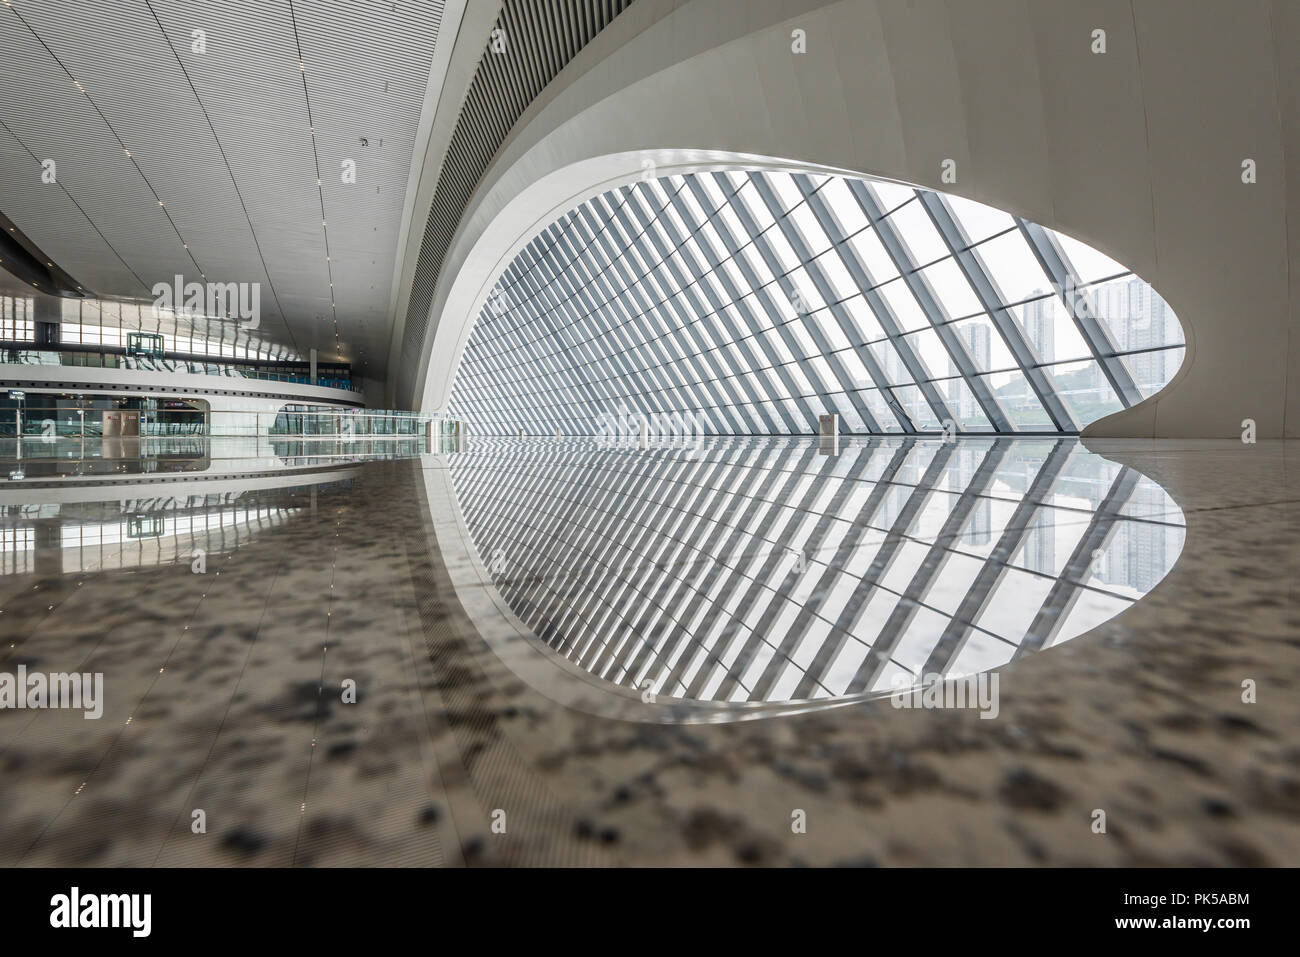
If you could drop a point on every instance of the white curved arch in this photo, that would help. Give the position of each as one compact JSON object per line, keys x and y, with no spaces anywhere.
{"x":1010,"y":92}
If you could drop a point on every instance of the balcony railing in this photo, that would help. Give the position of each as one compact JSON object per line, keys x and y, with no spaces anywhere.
{"x":113,"y":360}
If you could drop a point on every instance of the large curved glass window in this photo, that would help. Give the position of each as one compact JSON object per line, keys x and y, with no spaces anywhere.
{"x":756,"y":302}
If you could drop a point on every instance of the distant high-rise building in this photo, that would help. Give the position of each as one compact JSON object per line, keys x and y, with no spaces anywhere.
{"x":1039,"y":551}
{"x":1040,"y":326}
{"x":976,"y":337}
{"x":1137,"y":319}
{"x":1139,"y":554}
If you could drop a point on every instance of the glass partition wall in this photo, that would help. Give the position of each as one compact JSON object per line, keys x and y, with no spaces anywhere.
{"x":65,"y":415}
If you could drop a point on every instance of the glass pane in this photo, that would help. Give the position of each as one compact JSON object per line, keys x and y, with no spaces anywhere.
{"x":978,"y":221}
{"x":987,"y":350}
{"x":1089,"y":264}
{"x":1134,"y":313}
{"x":1019,"y":402}
{"x":846,"y":210}
{"x":1084,"y":389}
{"x":1012,"y":266}
{"x":871,"y":253}
{"x":907,"y":311}
{"x":963,"y":405}
{"x":915,"y":228}
{"x":950,"y":287}
{"x":889,"y":196}
{"x":1049,"y":328}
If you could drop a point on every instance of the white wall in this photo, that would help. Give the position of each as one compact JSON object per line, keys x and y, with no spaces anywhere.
{"x":1136,"y":152}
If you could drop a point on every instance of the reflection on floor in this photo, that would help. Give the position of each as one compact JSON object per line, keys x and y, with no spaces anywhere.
{"x":35,"y":459}
{"x":227,"y":684}
{"x":759,"y":569}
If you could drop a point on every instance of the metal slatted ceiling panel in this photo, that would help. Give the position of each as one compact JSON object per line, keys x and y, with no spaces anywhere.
{"x":754,"y":303}
{"x":541,"y":37}
{"x":231,"y":142}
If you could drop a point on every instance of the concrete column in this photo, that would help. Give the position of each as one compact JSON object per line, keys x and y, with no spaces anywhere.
{"x":828,"y":434}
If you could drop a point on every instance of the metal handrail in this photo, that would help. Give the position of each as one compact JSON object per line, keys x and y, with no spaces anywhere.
{"x":109,"y":360}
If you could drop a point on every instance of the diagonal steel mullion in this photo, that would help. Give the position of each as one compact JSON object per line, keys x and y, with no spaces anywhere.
{"x":624,"y":300}
{"x":783,"y":590}
{"x":1070,"y":583}
{"x":880,"y":308}
{"x":703,"y":291}
{"x":591,"y":378}
{"x":991,"y":301}
{"x":835,"y":640}
{"x":909,"y":603}
{"x":692,"y":316}
{"x":724,"y":396}
{"x":776,"y":364}
{"x":734,"y":245}
{"x":981,"y":591}
{"x":881,"y":562}
{"x":800,"y":247}
{"x":634,"y":295}
{"x":1095,"y":333}
{"x":919,"y":286}
{"x":779,"y":269}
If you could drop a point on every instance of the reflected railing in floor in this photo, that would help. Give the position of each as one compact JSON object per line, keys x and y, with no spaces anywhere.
{"x":60,"y":457}
{"x":765,"y":569}
{"x":175,"y":526}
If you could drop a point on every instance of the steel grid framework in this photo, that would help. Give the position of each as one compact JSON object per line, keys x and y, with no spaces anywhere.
{"x":756,"y":301}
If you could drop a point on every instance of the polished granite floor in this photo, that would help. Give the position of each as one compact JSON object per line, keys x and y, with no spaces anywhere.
{"x":479,"y":705}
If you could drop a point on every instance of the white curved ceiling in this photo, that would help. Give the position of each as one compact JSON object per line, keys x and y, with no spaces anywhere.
{"x":1138,"y":152}
{"x":223,"y":165}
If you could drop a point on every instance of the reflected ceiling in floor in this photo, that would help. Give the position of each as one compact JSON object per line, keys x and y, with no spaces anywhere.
{"x":778,"y":569}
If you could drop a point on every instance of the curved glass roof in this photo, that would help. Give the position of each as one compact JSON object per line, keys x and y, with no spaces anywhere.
{"x":758,"y":301}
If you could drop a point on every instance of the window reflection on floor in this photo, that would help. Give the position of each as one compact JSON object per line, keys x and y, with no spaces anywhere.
{"x":762,"y":569}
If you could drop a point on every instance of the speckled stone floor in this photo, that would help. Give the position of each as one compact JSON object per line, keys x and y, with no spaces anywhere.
{"x":224,"y":693}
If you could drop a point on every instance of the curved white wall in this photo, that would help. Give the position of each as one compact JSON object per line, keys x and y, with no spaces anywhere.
{"x":1137,"y":152}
